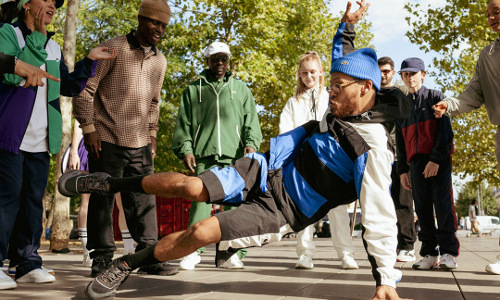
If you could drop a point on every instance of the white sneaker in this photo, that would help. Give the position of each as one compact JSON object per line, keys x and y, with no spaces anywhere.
{"x":448,"y":261}
{"x":37,"y":276}
{"x":233,"y":262}
{"x":304,"y":262}
{"x":406,"y":255}
{"x":87,"y":261}
{"x":348,"y":262}
{"x":190,"y":261}
{"x":426,"y":263}
{"x":12,"y":271}
{"x":6,"y":283}
{"x":494,"y":268}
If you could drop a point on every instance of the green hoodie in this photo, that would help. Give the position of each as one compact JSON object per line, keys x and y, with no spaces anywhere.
{"x":216,"y":119}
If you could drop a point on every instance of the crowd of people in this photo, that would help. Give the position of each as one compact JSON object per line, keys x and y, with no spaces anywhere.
{"x":363,"y":137}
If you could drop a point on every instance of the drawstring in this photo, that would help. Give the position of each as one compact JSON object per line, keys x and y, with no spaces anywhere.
{"x":200,"y":92}
{"x":313,"y":109}
{"x":231,"y":88}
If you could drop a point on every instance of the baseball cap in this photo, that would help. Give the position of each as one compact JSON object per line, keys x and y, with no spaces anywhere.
{"x":412,"y":64}
{"x":217,"y":47}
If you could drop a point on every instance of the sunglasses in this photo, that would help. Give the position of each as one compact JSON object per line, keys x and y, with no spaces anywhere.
{"x":216,"y":59}
{"x":385,"y":71}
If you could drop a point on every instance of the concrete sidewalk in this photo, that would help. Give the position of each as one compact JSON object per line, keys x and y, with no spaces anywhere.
{"x":269,"y":274}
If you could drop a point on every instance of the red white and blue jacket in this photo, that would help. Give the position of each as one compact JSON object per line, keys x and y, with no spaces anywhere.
{"x":422,"y":133}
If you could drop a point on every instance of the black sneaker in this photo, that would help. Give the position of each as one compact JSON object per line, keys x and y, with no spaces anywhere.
{"x":164,"y":269}
{"x":76,"y":182}
{"x":106,"y":283}
{"x":99,"y":264}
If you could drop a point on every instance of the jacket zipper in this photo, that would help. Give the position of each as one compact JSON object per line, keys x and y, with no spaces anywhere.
{"x":196,"y":135}
{"x":239,"y":137}
{"x":218,"y":112}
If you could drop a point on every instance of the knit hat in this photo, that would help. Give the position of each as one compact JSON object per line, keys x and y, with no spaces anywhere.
{"x":360,"y":64}
{"x":155,"y":9}
{"x":412,"y":64}
{"x":217,"y":47}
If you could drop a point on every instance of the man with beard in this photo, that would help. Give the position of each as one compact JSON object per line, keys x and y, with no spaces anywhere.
{"x":307,"y":172}
{"x":118,"y":112}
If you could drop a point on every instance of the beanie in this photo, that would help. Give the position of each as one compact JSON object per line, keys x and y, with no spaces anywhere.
{"x":155,"y":9}
{"x":360,"y":64}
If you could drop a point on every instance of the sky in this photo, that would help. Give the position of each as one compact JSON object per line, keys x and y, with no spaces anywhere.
{"x":389,"y":28}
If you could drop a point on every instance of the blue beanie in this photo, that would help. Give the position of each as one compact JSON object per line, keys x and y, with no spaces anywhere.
{"x":360,"y":64}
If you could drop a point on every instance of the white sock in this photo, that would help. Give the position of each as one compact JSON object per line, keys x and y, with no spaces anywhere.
{"x":128,"y":241}
{"x":82,"y":232}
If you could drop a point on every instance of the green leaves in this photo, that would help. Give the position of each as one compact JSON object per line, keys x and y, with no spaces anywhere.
{"x":458,"y":32}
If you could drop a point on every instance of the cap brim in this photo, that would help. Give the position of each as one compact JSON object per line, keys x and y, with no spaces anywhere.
{"x":410,"y":70}
{"x":59,"y":3}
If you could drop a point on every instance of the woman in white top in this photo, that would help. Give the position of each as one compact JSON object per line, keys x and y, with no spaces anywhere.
{"x":311,"y":103}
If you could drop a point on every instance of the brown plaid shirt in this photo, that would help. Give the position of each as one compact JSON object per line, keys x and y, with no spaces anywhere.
{"x":121,"y":101}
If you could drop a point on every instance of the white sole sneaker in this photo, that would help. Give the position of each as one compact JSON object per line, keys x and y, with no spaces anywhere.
{"x":37,"y":276}
{"x":189,"y":262}
{"x":233,"y":262}
{"x":6,"y":283}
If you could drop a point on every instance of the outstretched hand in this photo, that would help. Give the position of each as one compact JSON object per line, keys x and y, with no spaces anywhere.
{"x":385,"y":292}
{"x":354,"y":17}
{"x":99,"y":53}
{"x":439,"y":109}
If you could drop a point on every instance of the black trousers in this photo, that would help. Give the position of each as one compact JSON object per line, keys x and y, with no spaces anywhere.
{"x":139,"y":208}
{"x":403,"y":201}
{"x":434,"y":198}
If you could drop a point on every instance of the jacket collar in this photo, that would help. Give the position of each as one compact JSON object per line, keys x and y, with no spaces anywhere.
{"x":134,"y":42}
{"x":26,"y":31}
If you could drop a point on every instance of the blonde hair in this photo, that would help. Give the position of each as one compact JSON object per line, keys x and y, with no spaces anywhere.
{"x":301,"y":87}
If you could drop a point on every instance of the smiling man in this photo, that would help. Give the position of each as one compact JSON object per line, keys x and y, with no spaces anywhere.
{"x":118,"y":112}
{"x":217,"y":123}
{"x":307,"y":172}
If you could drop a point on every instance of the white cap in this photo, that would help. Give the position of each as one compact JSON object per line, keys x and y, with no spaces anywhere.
{"x":217,"y":47}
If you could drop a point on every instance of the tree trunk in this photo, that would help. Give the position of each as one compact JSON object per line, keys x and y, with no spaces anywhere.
{"x":61,"y":224}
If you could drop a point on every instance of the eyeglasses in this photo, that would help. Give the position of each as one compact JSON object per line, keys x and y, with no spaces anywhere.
{"x":337,"y":87}
{"x":216,"y":59}
{"x":385,"y":71}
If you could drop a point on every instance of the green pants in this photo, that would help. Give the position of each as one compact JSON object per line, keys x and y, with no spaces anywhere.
{"x":200,"y":211}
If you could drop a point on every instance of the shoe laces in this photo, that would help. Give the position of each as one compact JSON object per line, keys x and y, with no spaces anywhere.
{"x":94,"y":182}
{"x":116,"y":272}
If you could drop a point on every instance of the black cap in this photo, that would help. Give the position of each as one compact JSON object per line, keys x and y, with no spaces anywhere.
{"x":412,"y":64}
{"x":59,"y":3}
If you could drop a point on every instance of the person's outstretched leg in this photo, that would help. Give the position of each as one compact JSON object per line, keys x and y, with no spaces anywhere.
{"x":166,"y":185}
{"x":172,"y":246}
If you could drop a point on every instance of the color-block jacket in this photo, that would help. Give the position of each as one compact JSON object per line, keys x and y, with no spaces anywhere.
{"x":214,"y":122}
{"x":422,"y":133}
{"x":16,"y":102}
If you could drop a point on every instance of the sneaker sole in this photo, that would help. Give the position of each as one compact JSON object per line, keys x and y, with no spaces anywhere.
{"x":61,"y":186}
{"x":88,"y":294}
{"x":445,"y":267}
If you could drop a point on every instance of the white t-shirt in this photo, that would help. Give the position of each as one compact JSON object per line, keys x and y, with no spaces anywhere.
{"x":472,"y":212}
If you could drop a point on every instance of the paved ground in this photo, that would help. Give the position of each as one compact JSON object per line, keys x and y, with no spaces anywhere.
{"x":269,"y":274}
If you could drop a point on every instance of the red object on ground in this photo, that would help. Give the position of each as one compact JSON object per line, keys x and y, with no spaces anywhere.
{"x":172,"y":215}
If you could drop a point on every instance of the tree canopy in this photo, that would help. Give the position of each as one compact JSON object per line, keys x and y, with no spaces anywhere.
{"x":266,"y":40}
{"x":447,"y":30}
{"x":470,"y":192}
